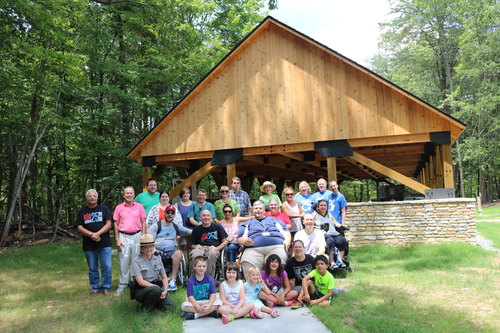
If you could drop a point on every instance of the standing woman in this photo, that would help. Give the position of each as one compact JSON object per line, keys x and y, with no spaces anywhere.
{"x":268,"y":188}
{"x":157,"y":212}
{"x":304,"y":197}
{"x":294,"y":211}
{"x":224,"y":200}
{"x":183,"y":208}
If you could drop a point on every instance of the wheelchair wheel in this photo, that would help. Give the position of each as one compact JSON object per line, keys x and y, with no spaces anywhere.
{"x":181,"y":275}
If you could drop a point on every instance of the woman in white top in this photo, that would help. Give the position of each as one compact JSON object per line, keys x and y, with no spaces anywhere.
{"x":294,"y":211}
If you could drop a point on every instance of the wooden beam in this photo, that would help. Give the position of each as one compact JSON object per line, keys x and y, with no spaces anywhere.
{"x":390,"y":140}
{"x":147,"y":172}
{"x":231,"y":173}
{"x":363,"y":168}
{"x":447,"y":166}
{"x":388,"y":172}
{"x":197,"y":175}
{"x":159,"y":170}
{"x":331,"y":168}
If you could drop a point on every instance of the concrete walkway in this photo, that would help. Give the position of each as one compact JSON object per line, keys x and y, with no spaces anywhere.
{"x":298,"y":320}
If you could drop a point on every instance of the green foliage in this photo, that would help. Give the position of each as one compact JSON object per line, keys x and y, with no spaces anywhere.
{"x":490,"y":230}
{"x":107,"y":74}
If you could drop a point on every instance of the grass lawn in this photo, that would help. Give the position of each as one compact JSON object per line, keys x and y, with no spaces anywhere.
{"x":421,"y":288}
{"x":489,"y":213}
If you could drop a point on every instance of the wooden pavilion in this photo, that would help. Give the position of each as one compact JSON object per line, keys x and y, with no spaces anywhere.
{"x":283,"y":107}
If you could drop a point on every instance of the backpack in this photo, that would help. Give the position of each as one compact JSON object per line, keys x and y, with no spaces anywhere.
{"x":176,"y":227}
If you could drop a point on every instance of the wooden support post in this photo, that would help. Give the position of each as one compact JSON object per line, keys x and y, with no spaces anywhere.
{"x":147,"y":172}
{"x":231,"y":172}
{"x":432,"y":172}
{"x":159,"y":170}
{"x":447,"y":166}
{"x":439,"y":169}
{"x":331,"y":164}
{"x":197,"y":175}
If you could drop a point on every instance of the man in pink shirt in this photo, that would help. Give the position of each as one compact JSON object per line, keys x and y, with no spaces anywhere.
{"x":130,"y":220}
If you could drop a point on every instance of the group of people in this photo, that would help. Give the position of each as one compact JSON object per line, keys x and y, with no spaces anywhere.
{"x":149,"y":224}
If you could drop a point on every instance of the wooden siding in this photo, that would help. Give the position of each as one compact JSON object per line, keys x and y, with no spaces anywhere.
{"x":280,"y":88}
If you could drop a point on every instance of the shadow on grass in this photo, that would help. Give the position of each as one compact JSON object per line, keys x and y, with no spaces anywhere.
{"x":379,"y":309}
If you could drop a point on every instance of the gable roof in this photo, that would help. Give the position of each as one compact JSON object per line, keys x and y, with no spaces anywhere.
{"x":280,"y":88}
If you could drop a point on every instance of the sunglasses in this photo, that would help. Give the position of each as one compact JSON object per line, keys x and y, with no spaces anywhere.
{"x":228,"y":211}
{"x":224,"y":191}
{"x":287,"y":194}
{"x":170,"y":212}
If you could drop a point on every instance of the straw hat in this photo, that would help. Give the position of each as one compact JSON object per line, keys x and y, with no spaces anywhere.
{"x":267,"y":183}
{"x":147,"y":239}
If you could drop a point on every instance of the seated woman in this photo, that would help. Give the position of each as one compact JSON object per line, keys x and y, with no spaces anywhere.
{"x":147,"y":270}
{"x":313,"y":239}
{"x":224,"y":200}
{"x":231,"y":223}
{"x":324,"y":220}
{"x":274,"y":212}
{"x":262,"y":236}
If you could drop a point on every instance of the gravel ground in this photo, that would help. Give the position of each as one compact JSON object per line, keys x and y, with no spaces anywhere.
{"x":485,"y":244}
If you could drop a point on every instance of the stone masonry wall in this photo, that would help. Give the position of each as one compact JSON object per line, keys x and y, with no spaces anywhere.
{"x":402,"y":222}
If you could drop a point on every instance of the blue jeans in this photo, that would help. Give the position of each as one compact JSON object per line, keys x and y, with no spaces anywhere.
{"x":102,"y":257}
{"x":233,"y":251}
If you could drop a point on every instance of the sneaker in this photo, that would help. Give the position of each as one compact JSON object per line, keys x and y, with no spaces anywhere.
{"x":190,"y":316}
{"x":94,"y":293}
{"x":172,"y":286}
{"x":120,"y":289}
{"x":270,"y":304}
{"x":183,"y":314}
{"x":339,"y":263}
{"x":334,"y":266}
{"x":288,"y":303}
{"x":214,"y":314}
{"x":275,"y":313}
{"x":106,"y":292}
{"x":227,"y":318}
{"x":257,"y":314}
{"x":297,"y":305}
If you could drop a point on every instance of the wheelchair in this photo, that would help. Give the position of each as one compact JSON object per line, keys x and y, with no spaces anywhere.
{"x":219,"y":266}
{"x":167,"y":264}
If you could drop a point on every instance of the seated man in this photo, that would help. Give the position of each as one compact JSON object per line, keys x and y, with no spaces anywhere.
{"x":165,"y":233}
{"x":262,"y":236}
{"x":207,"y":240}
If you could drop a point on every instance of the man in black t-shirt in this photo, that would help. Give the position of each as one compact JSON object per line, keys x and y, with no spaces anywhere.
{"x":93,"y":222}
{"x":299,"y":265}
{"x":207,"y":240}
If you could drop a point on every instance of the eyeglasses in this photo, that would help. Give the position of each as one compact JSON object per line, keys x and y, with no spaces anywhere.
{"x":228,"y":211}
{"x":170,"y":212}
{"x":287,"y":194}
{"x":235,"y":183}
{"x":224,"y":191}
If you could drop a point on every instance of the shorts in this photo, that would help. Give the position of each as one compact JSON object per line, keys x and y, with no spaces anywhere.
{"x":257,"y":302}
{"x":256,"y":256}
{"x":168,"y":250}
{"x":201,"y":302}
{"x":317,"y":295}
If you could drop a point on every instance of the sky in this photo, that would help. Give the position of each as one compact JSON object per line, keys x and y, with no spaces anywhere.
{"x":349,"y":27}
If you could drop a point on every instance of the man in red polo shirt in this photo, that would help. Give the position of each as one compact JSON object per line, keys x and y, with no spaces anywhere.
{"x":130,"y":220}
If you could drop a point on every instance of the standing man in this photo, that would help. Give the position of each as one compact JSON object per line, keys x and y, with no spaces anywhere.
{"x":150,"y":197}
{"x":196,"y":209}
{"x":323,"y":193}
{"x":207,"y":240}
{"x":94,"y":222}
{"x":241,"y":197}
{"x":130,"y":220}
{"x":337,"y":204}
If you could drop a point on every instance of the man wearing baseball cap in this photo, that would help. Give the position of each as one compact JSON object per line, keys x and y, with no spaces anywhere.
{"x":165,"y":234}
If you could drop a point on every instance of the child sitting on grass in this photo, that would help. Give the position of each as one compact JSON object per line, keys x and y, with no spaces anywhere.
{"x":275,"y":277}
{"x":232,"y":295}
{"x":320,"y":291}
{"x":252,"y":289}
{"x":201,"y":293}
